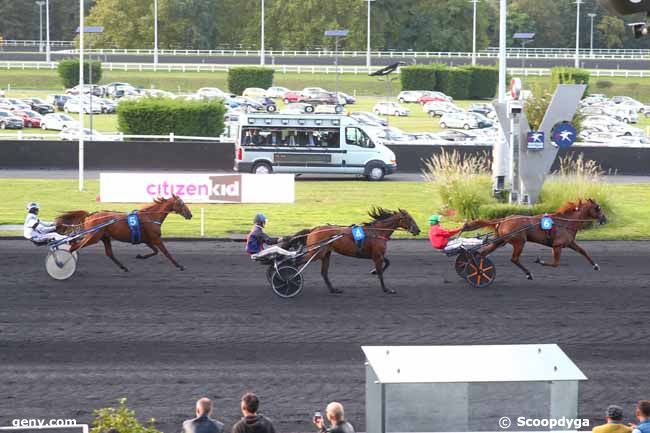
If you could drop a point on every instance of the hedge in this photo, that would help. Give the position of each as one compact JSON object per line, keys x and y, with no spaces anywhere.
{"x":162,"y":116}
{"x":419,"y":77}
{"x":566,"y":75}
{"x":483,"y":81}
{"x":69,"y":72}
{"x":502,"y":210}
{"x":479,"y":82}
{"x":243,"y":77}
{"x":454,"y":82}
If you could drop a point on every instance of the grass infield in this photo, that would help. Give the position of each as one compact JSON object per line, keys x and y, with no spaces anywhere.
{"x":338,"y":202}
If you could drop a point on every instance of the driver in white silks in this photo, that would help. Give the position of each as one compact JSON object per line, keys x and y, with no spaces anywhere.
{"x":36,"y":230}
{"x":257,"y":239}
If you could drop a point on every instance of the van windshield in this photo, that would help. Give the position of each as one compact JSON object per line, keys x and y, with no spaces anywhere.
{"x":293,"y":137}
{"x":356,"y":137}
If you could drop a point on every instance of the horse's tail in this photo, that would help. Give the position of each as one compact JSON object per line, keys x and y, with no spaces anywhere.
{"x":477,"y":224}
{"x":67,"y":222}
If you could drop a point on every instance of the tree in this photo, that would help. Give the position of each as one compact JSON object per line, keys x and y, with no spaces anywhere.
{"x":611,"y":31}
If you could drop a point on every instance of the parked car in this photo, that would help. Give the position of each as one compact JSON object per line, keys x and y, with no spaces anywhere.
{"x":58,"y":122}
{"x":58,"y":101}
{"x":74,"y":106}
{"x":369,"y":118}
{"x":439,"y":108}
{"x":39,"y":105}
{"x":88,"y":89}
{"x":291,"y":96}
{"x":212,"y":93}
{"x":17,"y":104}
{"x":348,"y":99}
{"x":456,"y":136}
{"x":73,"y":133}
{"x":389,"y":109}
{"x":483,"y":121}
{"x":276,"y":92}
{"x":108,"y":106}
{"x":485,"y":109}
{"x":319,"y":98}
{"x":157,"y":93}
{"x":409,"y":96}
{"x":429,"y":96}
{"x":9,"y":120}
{"x":459,"y":120}
{"x":254,"y":92}
{"x":309,"y":90}
{"x":298,"y":108}
{"x":31,"y":119}
{"x":627,"y":100}
{"x":112,"y":88}
{"x":633,"y":141}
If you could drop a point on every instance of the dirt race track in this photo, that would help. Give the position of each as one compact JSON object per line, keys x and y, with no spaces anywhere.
{"x":162,"y":338}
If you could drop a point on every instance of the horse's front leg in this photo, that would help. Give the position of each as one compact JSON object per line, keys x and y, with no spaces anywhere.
{"x":163,"y":248}
{"x":575,"y":247}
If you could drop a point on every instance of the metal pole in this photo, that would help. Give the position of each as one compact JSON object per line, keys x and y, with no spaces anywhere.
{"x":502,"y":50}
{"x":500,"y":155}
{"x":474,"y":34}
{"x":155,"y":33}
{"x":368,"y":44}
{"x":40,"y":26}
{"x":81,"y":92}
{"x":90,"y":80}
{"x":577,"y":57}
{"x":48,"y":57}
{"x":336,"y":48}
{"x":262,"y":59}
{"x":591,"y":36}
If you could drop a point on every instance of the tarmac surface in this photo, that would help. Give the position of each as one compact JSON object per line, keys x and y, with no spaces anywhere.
{"x":162,"y":337}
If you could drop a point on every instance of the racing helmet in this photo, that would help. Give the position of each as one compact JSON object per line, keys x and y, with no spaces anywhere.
{"x":260,"y":219}
{"x":32,"y":206}
{"x":434,"y":219}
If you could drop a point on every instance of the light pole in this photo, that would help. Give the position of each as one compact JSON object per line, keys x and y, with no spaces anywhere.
{"x":40,"y":25}
{"x":502,"y":51}
{"x":577,"y":57}
{"x":591,"y":36}
{"x":81,"y":94}
{"x":368,"y":42}
{"x":48,"y":57}
{"x":155,"y":34}
{"x":336,"y":34}
{"x":262,"y":59}
{"x":475,"y":2}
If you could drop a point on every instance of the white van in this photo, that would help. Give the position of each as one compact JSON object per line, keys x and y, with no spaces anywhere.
{"x":309,"y":143}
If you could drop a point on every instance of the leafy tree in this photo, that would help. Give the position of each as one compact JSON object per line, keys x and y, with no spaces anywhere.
{"x":612,"y":31}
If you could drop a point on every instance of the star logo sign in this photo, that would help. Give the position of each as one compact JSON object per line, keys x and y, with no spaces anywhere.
{"x":566,"y":135}
{"x":536,"y":137}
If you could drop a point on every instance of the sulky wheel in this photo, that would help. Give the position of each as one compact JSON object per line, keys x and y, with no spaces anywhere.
{"x":480,"y":271}
{"x":462,"y":260}
{"x":286,"y":282}
{"x":60,"y":264}
{"x":269,"y":273}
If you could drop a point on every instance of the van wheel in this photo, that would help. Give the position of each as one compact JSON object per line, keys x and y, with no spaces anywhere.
{"x":43,"y":127}
{"x":309,"y":109}
{"x":338,"y":109}
{"x":285,"y":100}
{"x":466,"y":126}
{"x":432,"y":114}
{"x":375,"y":173}
{"x":271,"y":108}
{"x":443,"y":125}
{"x":262,"y":168}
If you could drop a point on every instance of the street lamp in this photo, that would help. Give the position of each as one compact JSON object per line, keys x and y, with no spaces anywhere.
{"x":368,"y":44}
{"x":577,"y":57}
{"x":81,"y":92}
{"x":525,"y":38}
{"x":475,"y":2}
{"x":40,"y":25}
{"x":591,"y":36}
{"x":262,"y":59}
{"x":155,"y":34}
{"x":337,"y":35}
{"x":502,"y":51}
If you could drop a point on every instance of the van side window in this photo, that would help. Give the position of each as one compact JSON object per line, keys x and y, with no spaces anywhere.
{"x":356,"y":137}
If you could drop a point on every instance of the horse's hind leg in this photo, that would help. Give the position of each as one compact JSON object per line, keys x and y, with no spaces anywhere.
{"x":517,"y":248}
{"x":379,"y":266}
{"x":575,"y":247}
{"x":324,"y":271}
{"x":109,"y":252}
{"x":164,"y":250}
{"x":146,"y":256}
{"x":557,"y":253}
{"x":386,"y":265}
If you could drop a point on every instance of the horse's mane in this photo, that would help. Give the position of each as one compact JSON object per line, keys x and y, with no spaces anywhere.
{"x":380,"y":214}
{"x":571,"y":206}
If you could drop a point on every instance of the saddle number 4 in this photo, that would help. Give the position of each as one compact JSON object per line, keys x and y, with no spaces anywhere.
{"x":358,"y":234}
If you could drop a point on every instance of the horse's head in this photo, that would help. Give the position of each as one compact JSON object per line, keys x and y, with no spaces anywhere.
{"x":594,"y":211}
{"x":407,"y":222}
{"x":178,"y":206}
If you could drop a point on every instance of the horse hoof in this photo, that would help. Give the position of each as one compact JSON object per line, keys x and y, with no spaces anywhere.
{"x":139,"y":256}
{"x":538,"y":260}
{"x":390,"y":291}
{"x":596,"y":267}
{"x":181,"y":268}
{"x":529,"y":276}
{"x":373,"y":272}
{"x":336,"y":291}
{"x":125,"y":269}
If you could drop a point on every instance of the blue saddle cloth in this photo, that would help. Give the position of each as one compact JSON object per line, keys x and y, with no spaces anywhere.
{"x":134,"y":225}
{"x":359,"y":236}
{"x":546,"y":223}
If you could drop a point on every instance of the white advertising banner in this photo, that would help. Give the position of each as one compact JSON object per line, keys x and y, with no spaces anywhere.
{"x":197,"y":187}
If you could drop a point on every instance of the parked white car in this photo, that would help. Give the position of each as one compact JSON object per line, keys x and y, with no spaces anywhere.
{"x":307,"y":91}
{"x":639,"y":106}
{"x":74,"y":106}
{"x":389,"y":109}
{"x":409,"y":96}
{"x":157,"y":93}
{"x":276,"y":92}
{"x":211,"y":93}
{"x":72,"y":133}
{"x":439,"y":108}
{"x":254,"y":92}
{"x":58,"y":122}
{"x":459,"y":120}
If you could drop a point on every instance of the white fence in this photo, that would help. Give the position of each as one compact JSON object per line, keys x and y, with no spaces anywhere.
{"x":34,"y":43}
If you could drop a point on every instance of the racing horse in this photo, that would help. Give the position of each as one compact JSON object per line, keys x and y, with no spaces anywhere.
{"x":516,"y":230}
{"x":377,"y":234}
{"x":151,"y":219}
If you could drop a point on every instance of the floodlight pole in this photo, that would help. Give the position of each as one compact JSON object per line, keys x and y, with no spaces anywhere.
{"x":591,"y":36}
{"x":155,"y":34}
{"x":40,"y":25}
{"x":500,"y":154}
{"x":262,"y":55}
{"x":81,"y":93}
{"x":577,"y":57}
{"x":474,"y":33}
{"x":368,"y":60}
{"x":48,"y":57}
{"x":502,"y":50}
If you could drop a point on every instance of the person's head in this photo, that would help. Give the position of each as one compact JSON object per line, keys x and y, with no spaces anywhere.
{"x":643,"y":410}
{"x":614,"y":413}
{"x":33,"y":207}
{"x":203,"y":406}
{"x":434,"y":219}
{"x":260,"y":219}
{"x":334,"y":412}
{"x":249,"y":404}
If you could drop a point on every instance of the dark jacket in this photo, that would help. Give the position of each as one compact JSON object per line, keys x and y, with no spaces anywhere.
{"x":341,"y":427}
{"x":257,"y":239}
{"x":202,"y":424}
{"x":254,"y":424}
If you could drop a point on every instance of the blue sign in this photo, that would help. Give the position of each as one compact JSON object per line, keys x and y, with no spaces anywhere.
{"x":564,"y":135}
{"x":535,"y":140}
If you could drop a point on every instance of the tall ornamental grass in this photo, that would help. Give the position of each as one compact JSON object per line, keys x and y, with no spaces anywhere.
{"x":463,"y":182}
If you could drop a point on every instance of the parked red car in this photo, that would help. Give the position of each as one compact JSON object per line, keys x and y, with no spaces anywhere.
{"x":291,"y":96}
{"x":31,"y":119}
{"x":430,"y":96}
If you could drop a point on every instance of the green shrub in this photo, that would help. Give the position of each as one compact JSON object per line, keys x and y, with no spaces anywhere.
{"x":69,"y":72}
{"x":502,"y":210}
{"x":120,"y":419}
{"x":253,"y":76}
{"x":454,"y":82}
{"x":161,"y":116}
{"x":463,"y":183}
{"x":483,"y":81}
{"x":565,"y":75}
{"x":604,"y":84}
{"x":419,"y":77}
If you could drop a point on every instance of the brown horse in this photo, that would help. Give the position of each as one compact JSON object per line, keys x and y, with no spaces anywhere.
{"x":151,"y":219}
{"x":516,"y":230}
{"x":377,"y":234}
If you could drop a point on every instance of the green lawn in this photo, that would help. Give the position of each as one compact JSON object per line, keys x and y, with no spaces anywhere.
{"x":337,"y":202}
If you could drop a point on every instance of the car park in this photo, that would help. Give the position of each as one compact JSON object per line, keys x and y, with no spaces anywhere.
{"x":39,"y":105}
{"x":389,"y":109}
{"x":9,"y":120}
{"x":58,"y":122}
{"x":627,"y":100}
{"x":276,"y":92}
{"x":409,"y":96}
{"x":31,"y":119}
{"x":439,"y":108}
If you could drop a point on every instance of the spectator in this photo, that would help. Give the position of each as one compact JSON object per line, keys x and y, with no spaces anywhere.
{"x":614,"y":418}
{"x":252,"y":422}
{"x":643,"y":415}
{"x":203,"y":423}
{"x":336,"y":418}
